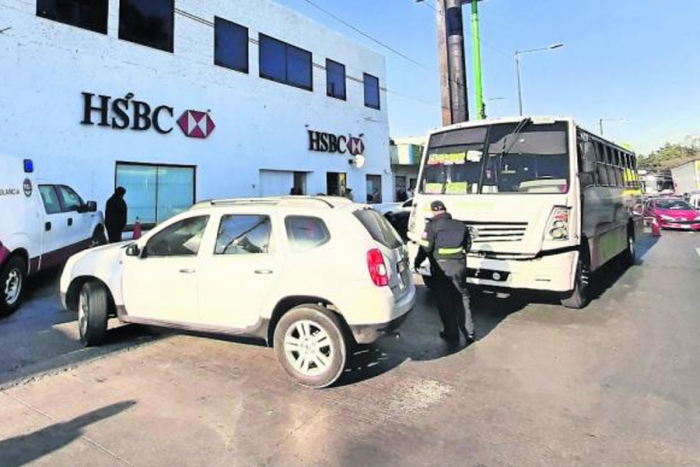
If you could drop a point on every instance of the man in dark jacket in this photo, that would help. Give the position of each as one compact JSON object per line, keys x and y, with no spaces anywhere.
{"x":115,"y":215}
{"x":446,"y":243}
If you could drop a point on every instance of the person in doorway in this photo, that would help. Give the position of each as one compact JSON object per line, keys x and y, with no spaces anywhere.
{"x":115,"y":215}
{"x":349,"y":195}
{"x":445,"y":243}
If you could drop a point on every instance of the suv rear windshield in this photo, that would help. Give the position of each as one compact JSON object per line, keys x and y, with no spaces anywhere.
{"x":379,"y":228}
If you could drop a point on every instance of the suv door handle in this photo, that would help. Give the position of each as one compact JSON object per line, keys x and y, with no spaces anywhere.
{"x":47,"y":226}
{"x":187,"y":271}
{"x":263,"y":271}
{"x":70,"y":221}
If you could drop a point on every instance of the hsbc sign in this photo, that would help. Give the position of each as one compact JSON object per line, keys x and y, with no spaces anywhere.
{"x":127,"y":113}
{"x":336,"y":144}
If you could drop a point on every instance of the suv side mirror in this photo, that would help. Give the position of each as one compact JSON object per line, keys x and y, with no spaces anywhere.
{"x":91,"y":206}
{"x":133,"y":250}
{"x":588,"y":162}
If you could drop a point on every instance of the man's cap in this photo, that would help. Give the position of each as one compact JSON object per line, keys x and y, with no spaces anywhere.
{"x":437,"y":205}
{"x":120,"y":190}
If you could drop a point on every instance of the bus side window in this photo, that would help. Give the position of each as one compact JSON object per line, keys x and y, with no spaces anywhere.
{"x":602,"y":168}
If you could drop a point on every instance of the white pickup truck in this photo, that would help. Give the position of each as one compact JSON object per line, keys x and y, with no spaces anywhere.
{"x":41,"y":225}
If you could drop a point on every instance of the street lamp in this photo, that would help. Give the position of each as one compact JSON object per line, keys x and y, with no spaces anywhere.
{"x":601,"y":120}
{"x":518,"y":53}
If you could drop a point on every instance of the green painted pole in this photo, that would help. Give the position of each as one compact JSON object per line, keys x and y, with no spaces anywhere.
{"x":480,"y":108}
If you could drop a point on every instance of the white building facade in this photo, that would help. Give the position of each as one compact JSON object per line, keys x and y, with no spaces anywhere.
{"x":184,"y":100}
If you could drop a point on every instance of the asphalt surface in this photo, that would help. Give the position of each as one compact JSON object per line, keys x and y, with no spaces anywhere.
{"x":615,"y":384}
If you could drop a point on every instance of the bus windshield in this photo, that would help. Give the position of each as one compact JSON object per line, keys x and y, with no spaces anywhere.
{"x":515,"y":157}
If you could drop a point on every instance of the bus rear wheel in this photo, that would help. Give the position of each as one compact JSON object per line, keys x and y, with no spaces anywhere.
{"x":579,"y":298}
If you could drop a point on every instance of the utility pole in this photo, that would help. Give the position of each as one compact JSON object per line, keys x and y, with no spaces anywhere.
{"x":453,"y":78}
{"x":478,"y":84}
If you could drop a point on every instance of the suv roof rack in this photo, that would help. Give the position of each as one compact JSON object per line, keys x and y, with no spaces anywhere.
{"x":328,"y":201}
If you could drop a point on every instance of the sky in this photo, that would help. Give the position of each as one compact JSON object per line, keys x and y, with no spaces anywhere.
{"x":634,"y":63}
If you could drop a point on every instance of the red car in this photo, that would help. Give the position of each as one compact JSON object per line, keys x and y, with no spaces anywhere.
{"x":672,"y":213}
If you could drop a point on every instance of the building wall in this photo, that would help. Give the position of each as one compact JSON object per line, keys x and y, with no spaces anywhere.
{"x":261,"y":125}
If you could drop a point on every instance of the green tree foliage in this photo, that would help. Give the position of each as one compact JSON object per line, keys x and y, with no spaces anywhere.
{"x":671,"y":155}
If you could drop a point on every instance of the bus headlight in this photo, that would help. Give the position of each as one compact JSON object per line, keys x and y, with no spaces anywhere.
{"x":558,"y":224}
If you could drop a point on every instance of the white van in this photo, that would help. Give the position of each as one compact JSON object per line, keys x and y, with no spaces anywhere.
{"x":41,"y":225}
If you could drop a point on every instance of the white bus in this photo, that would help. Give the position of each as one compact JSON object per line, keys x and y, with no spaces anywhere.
{"x":546,"y":201}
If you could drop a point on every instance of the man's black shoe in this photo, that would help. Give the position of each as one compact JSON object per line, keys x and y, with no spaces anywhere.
{"x":469,"y":339}
{"x":449,"y":337}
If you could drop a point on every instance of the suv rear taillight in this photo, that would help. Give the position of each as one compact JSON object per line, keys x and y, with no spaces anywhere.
{"x":377,"y":268}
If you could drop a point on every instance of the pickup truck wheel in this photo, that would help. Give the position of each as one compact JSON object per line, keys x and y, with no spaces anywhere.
{"x":92,"y":314}
{"x":98,"y":237}
{"x":310,"y":346}
{"x":12,"y":278}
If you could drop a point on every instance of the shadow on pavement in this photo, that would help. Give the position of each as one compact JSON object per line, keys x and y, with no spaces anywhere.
{"x":23,"y":449}
{"x":42,"y":337}
{"x":419,"y":339}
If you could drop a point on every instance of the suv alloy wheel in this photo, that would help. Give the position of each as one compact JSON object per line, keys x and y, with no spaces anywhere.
{"x":310,"y":346}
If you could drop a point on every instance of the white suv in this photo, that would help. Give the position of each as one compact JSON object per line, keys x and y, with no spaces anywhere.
{"x":310,"y":275}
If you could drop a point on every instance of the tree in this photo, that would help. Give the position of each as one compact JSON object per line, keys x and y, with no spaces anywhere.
{"x":671,"y":155}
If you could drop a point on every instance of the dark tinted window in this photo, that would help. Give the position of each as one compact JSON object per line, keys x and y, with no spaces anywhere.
{"x":335,"y":79}
{"x":183,"y":238}
{"x":379,"y":228}
{"x":243,"y":235}
{"x":371,"y":91}
{"x":230,"y":45}
{"x":86,"y":14}
{"x":305,"y":233}
{"x":147,"y":22}
{"x":285,"y":63}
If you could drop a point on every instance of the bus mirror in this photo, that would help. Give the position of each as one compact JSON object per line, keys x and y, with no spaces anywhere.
{"x":588,"y":162}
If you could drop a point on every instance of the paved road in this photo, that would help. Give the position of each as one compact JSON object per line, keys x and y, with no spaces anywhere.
{"x":616,"y":384}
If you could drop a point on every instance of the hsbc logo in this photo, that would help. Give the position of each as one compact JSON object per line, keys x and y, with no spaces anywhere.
{"x":195,"y":124}
{"x":128,"y":113}
{"x":335,"y":144}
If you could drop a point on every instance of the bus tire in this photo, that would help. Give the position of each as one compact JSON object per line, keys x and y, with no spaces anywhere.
{"x":629,"y":256}
{"x":579,"y":297}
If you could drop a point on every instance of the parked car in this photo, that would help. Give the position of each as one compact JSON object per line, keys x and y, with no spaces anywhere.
{"x":672,"y":213}
{"x":312,"y":276}
{"x":401,"y":206}
{"x":42,"y":224}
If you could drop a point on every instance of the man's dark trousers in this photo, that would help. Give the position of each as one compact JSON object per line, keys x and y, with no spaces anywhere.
{"x":453,"y":299}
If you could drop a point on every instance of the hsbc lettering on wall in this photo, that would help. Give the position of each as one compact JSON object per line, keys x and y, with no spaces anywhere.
{"x":128,"y":113}
{"x":336,"y":144}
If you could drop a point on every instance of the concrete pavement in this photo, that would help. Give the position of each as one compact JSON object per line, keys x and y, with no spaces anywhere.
{"x":615,"y":384}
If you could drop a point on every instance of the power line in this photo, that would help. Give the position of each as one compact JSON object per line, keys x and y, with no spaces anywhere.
{"x":481,"y":41}
{"x":208,"y":23}
{"x":359,"y":31}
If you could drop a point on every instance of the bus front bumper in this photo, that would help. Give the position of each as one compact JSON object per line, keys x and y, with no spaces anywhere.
{"x":552,"y":273}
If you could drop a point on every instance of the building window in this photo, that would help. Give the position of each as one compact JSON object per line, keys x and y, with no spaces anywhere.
{"x":335,"y":79}
{"x":155,"y":193}
{"x":371,"y":91}
{"x":230,"y":45}
{"x":374,"y":189}
{"x":285,"y":63}
{"x":86,"y":14}
{"x":147,"y":22}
